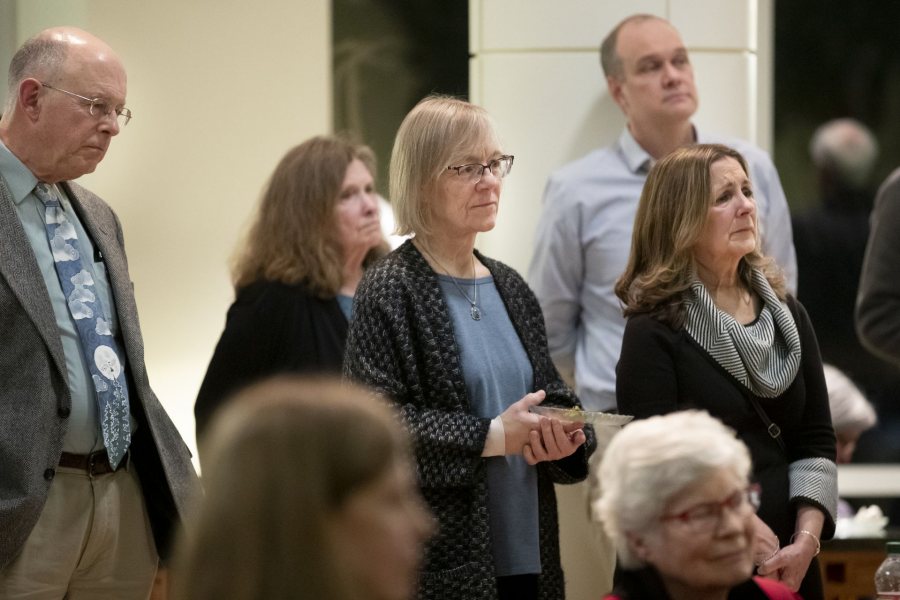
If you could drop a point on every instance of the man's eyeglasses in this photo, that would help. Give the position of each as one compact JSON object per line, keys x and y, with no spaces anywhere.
{"x":472,"y":173}
{"x":705,"y":518}
{"x":97,"y":107}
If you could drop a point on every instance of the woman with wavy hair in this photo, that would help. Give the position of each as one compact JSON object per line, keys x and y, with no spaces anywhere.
{"x":710,"y":326}
{"x":316,"y":230}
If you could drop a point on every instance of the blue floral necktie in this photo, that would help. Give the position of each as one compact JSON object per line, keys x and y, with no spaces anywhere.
{"x":106,"y":363}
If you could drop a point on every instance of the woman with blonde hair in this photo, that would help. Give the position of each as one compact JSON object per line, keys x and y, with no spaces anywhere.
{"x":710,"y":326}
{"x":457,"y":340}
{"x":316,"y":230}
{"x":310,"y":493}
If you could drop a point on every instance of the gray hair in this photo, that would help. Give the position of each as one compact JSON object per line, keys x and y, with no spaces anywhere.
{"x":652,"y":460}
{"x":437,"y":131}
{"x":38,"y":56}
{"x":850,"y":411}
{"x":847,"y":147}
{"x":609,"y":57}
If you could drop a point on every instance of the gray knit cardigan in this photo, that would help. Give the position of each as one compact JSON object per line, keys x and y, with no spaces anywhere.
{"x":401,"y":342}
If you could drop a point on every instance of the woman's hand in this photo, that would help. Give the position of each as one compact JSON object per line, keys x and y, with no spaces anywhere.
{"x":765,"y":542}
{"x":538,"y":438}
{"x":553,"y":441}
{"x":518,"y":422}
{"x":789,"y":565}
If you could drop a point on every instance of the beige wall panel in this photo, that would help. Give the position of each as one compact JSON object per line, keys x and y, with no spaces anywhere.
{"x":729,"y":24}
{"x":528,"y":24}
{"x":550,"y":108}
{"x":726,"y":84}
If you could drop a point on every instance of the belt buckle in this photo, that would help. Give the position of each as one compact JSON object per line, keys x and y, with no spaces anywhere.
{"x":93,"y":462}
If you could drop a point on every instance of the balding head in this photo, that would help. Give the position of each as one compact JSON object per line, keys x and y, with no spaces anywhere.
{"x":609,"y":53}
{"x":65,"y":87}
{"x":45,"y":54}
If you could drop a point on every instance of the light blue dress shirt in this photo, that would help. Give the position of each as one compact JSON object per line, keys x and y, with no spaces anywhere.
{"x":83,"y":434}
{"x":582,"y":245}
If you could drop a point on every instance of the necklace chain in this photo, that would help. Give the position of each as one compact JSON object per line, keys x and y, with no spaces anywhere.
{"x":474,"y":311}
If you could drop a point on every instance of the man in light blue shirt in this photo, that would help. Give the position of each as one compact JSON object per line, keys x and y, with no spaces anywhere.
{"x":584,"y":236}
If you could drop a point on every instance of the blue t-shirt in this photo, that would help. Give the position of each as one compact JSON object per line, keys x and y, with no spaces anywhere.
{"x":346,"y":304}
{"x":498,"y":373}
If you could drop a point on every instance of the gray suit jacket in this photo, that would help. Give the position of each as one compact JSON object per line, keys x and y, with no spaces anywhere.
{"x":34,"y":394}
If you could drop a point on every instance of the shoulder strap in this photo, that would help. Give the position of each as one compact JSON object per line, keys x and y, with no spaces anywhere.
{"x":773,"y":429}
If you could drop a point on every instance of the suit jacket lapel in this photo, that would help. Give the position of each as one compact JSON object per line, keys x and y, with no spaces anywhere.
{"x":18,"y":266}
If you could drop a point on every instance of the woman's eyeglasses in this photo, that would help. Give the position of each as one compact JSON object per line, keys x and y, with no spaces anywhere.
{"x":472,"y":173}
{"x":705,"y":518}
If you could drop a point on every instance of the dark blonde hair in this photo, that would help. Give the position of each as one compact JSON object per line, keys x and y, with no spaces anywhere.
{"x":670,"y":218}
{"x":437,"y":131}
{"x":278,"y":461}
{"x":294,"y":235}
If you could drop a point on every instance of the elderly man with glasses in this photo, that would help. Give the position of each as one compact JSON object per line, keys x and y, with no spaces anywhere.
{"x":94,"y":477}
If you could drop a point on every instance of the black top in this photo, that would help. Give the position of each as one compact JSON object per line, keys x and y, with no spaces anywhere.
{"x":271,"y":328}
{"x":662,"y":370}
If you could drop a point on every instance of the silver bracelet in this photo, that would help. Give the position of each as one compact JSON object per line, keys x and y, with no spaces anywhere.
{"x":768,"y":558}
{"x":810,"y":534}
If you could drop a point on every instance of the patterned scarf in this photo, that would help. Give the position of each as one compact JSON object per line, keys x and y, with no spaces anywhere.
{"x":765,"y":355}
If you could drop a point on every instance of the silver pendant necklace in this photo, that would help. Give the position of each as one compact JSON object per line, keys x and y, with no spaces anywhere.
{"x":474,"y":311}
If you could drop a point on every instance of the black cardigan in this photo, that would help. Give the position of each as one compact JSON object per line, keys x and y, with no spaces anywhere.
{"x":271,"y":328}
{"x":401,"y":342}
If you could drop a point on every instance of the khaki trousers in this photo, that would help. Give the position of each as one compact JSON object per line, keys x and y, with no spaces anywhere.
{"x":92,"y":542}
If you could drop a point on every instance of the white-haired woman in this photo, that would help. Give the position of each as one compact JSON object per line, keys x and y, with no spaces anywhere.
{"x":679,"y":505}
{"x":458,"y":341}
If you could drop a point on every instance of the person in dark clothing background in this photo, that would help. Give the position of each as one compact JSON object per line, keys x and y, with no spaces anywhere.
{"x":831,"y":244}
{"x":830,"y":240}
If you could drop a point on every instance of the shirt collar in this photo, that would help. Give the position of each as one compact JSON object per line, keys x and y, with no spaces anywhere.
{"x":637,"y":159}
{"x":20,"y":180}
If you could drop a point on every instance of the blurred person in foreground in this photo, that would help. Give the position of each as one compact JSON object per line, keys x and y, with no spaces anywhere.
{"x":310,"y":493}
{"x":316,"y":230}
{"x":710,"y":326}
{"x":678,"y":502}
{"x":457,"y":340}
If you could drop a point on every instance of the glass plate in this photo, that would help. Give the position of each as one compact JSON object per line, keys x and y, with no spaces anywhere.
{"x":594,"y":417}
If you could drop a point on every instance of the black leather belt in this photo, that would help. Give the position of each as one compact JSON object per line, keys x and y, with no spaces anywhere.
{"x":95,"y":463}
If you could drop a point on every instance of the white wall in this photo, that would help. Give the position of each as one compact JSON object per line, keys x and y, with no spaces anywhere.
{"x":220,"y":89}
{"x":536,"y":68}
